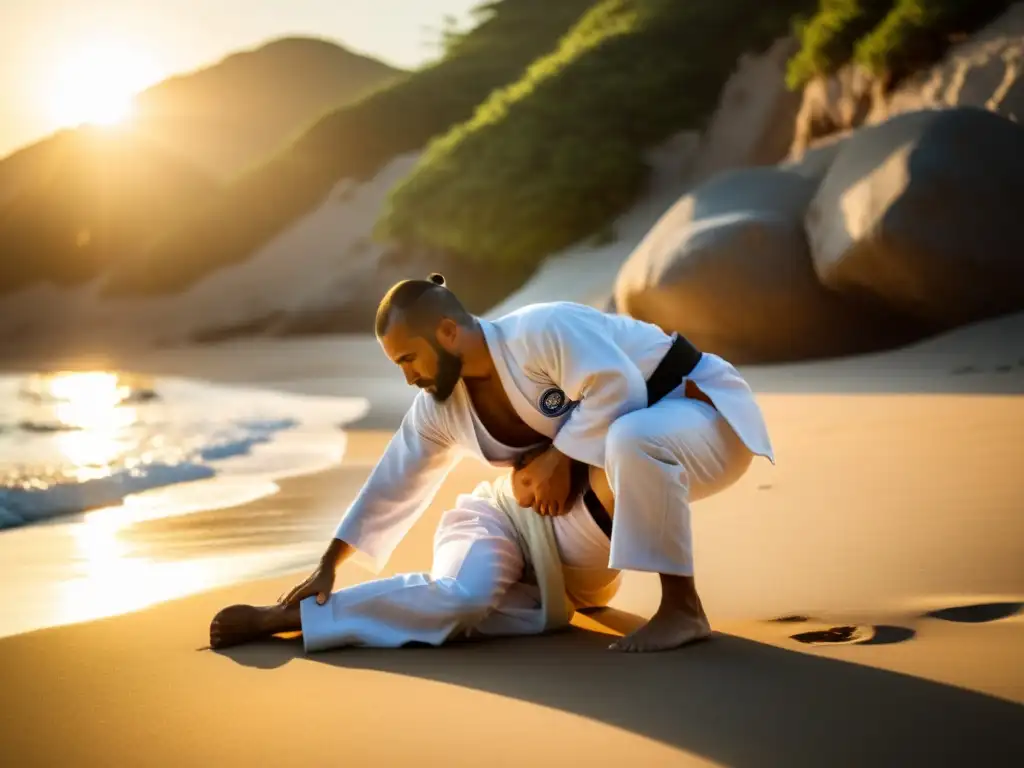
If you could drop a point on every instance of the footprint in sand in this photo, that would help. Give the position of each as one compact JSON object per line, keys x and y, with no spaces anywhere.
{"x":968,"y":369}
{"x":869,"y":634}
{"x":887,"y":634}
{"x":977,"y":614}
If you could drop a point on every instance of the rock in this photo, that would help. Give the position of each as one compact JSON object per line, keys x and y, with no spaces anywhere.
{"x":728,"y":266}
{"x":756,"y":115}
{"x":985,"y":70}
{"x":924,"y":213}
{"x":835,"y":103}
{"x":813,"y":162}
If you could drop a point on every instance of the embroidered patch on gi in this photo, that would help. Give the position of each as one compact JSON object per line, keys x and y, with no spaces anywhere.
{"x":554,"y":402}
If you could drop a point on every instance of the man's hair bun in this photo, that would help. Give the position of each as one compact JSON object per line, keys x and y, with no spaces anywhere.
{"x":436,"y":278}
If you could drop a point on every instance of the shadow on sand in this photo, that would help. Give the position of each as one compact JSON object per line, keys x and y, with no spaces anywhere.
{"x":732,"y":700}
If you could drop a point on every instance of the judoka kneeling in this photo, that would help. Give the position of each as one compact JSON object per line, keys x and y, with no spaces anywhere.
{"x":665,"y":423}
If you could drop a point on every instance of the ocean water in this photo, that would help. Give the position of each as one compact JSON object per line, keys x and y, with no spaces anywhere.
{"x":72,"y":442}
{"x":89,"y":460}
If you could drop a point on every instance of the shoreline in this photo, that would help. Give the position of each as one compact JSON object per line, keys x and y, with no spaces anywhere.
{"x":70,"y":572}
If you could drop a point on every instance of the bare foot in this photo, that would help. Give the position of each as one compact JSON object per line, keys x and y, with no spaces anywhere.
{"x":667,"y":629}
{"x":680,"y":619}
{"x":239,"y":624}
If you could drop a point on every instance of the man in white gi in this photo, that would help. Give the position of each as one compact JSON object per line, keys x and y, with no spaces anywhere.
{"x":571,"y":385}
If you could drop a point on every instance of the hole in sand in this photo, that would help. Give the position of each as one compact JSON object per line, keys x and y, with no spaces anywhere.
{"x":977,"y":614}
{"x":886,"y":634}
{"x":882,"y":634}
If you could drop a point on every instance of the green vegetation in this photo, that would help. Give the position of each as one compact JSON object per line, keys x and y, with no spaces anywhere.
{"x":552,"y":158}
{"x":890,"y":38}
{"x":917,"y":32}
{"x":536,"y":122}
{"x":355,"y":142}
{"x":828,"y":39}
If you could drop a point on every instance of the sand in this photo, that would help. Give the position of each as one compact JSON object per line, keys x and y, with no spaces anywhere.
{"x":892,"y":523}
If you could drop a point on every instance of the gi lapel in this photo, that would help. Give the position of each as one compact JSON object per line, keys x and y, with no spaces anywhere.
{"x":520,"y":402}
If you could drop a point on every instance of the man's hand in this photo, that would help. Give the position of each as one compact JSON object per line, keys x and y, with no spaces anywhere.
{"x":319,"y":583}
{"x":544,"y":483}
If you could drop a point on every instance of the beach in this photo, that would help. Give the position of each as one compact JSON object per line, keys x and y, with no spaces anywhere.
{"x":867,"y":596}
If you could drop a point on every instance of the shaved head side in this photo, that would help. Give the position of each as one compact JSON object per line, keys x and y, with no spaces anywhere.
{"x":419,"y":305}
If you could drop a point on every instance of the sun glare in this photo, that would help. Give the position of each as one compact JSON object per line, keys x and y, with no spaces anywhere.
{"x":97,"y":85}
{"x":92,"y":405}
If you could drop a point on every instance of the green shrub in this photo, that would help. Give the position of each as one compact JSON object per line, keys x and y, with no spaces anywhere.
{"x":888,"y":37}
{"x":917,"y":32}
{"x":552,"y":158}
{"x":828,"y":39}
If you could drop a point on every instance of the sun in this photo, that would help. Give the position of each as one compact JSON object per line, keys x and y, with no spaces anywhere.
{"x":97,"y":85}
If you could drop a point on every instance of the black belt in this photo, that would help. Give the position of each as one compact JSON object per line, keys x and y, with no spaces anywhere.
{"x":678,"y":363}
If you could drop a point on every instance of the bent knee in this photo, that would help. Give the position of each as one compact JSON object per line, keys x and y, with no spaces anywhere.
{"x":627,"y":432}
{"x":631,"y":435}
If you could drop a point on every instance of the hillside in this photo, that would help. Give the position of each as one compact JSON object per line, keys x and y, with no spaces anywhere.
{"x":555,"y":156}
{"x":96,"y":197}
{"x":20,"y":168}
{"x":232,"y":114}
{"x":80,"y":202}
{"x":565,"y":166}
{"x":354,"y":143}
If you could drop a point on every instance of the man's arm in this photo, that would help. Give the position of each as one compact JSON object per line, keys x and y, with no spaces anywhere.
{"x":398,"y":490}
{"x":338,"y":552}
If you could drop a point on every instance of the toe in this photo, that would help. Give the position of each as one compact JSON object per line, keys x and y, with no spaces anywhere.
{"x":624,"y":644}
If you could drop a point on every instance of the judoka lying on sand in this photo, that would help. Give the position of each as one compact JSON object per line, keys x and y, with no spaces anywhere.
{"x":564,"y":385}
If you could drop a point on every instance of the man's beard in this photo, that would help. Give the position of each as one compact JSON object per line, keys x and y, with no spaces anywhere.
{"x":449,"y":371}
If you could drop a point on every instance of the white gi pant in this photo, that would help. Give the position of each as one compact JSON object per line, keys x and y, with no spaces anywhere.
{"x":659,"y":460}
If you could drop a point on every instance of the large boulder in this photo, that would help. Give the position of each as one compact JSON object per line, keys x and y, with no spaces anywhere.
{"x":926,"y":213}
{"x":813,"y":162}
{"x":728,"y":266}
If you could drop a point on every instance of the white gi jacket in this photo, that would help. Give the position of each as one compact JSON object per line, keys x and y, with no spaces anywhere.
{"x":569,"y":371}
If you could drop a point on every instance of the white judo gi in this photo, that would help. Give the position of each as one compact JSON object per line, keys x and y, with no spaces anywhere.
{"x":577,"y":376}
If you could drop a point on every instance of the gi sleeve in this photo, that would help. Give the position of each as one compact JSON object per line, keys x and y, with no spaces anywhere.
{"x":592,"y":370}
{"x":401,"y":486}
